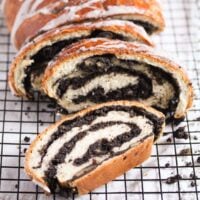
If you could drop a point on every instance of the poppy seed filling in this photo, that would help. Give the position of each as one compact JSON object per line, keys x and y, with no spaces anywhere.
{"x":142,"y":90}
{"x":105,"y":78}
{"x":34,"y":72}
{"x":89,"y":140}
{"x":149,"y":28}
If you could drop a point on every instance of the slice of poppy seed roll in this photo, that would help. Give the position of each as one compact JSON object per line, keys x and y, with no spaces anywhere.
{"x":94,"y":146}
{"x":28,"y":67}
{"x":100,"y":70}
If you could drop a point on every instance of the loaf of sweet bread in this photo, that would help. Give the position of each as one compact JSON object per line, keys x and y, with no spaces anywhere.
{"x":92,"y":147}
{"x":96,"y":60}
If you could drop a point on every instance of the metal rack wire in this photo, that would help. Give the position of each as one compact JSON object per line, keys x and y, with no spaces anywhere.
{"x":21,"y":119}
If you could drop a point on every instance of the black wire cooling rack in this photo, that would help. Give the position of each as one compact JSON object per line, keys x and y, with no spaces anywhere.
{"x":179,"y":159}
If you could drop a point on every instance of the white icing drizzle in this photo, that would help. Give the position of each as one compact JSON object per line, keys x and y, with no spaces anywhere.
{"x":70,"y":13}
{"x":104,"y":45}
{"x":140,"y":32}
{"x":34,"y":8}
{"x":113,"y":10}
{"x":26,"y":11}
{"x":117,"y":22}
{"x":29,"y":9}
{"x":35,"y":5}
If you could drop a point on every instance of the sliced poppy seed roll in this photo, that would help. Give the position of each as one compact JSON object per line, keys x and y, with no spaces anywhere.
{"x":28,"y":67}
{"x":100,"y":70}
{"x":90,"y":148}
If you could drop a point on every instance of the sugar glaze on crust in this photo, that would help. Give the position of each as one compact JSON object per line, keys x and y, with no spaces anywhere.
{"x":16,"y":10}
{"x":145,"y":13}
{"x":69,"y":62}
{"x":127,"y":151}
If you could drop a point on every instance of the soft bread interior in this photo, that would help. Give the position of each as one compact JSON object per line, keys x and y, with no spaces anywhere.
{"x":91,"y":79}
{"x":75,"y":147}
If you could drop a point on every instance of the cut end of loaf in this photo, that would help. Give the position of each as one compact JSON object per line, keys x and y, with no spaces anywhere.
{"x":99,"y":70}
{"x":85,"y":145}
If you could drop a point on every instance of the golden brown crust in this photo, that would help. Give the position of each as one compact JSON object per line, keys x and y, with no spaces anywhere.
{"x":142,"y":149}
{"x":118,"y":48}
{"x":116,"y":26}
{"x":149,"y":11}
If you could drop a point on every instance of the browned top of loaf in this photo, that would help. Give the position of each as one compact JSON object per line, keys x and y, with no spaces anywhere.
{"x":79,"y":11}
